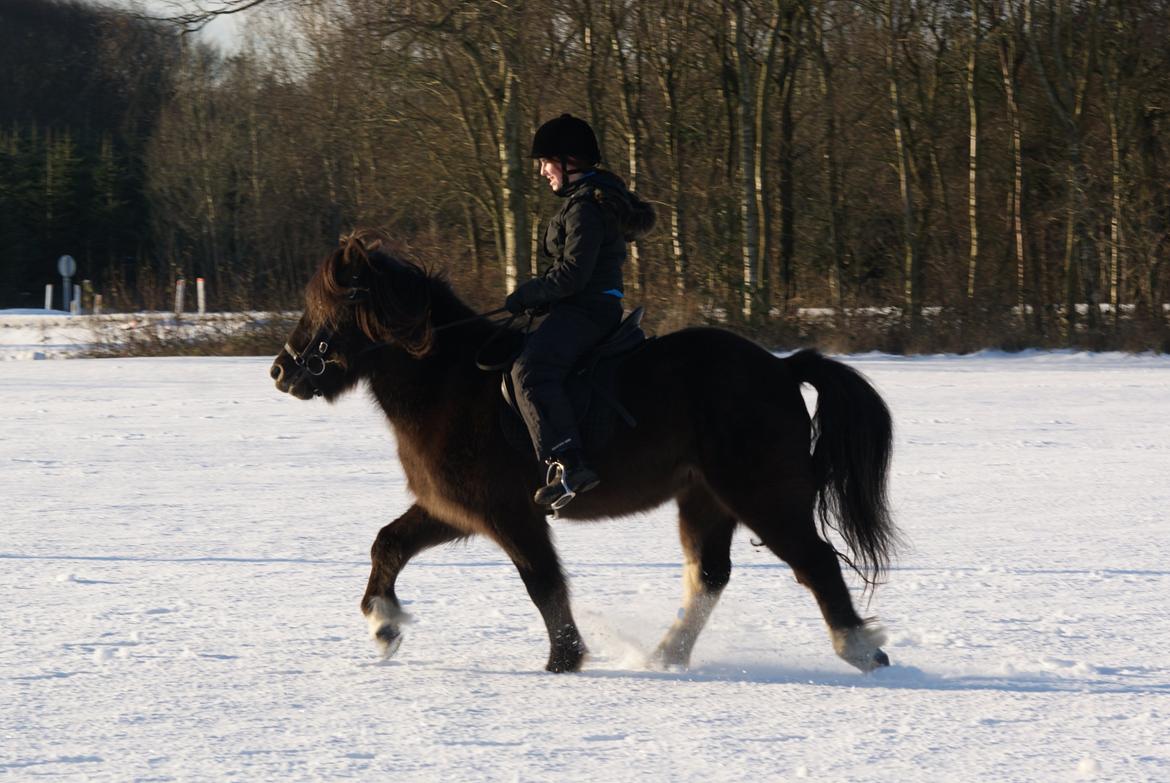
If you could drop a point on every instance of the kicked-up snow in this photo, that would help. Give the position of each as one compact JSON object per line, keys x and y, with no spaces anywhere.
{"x":184,"y":550}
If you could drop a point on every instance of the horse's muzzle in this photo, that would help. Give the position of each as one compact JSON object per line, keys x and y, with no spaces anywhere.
{"x":278,"y":374}
{"x":291,"y":378}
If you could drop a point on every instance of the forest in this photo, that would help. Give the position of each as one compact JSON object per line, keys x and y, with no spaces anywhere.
{"x":902,"y":175}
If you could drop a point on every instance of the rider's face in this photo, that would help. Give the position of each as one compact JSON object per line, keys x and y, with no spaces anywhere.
{"x":552,"y":171}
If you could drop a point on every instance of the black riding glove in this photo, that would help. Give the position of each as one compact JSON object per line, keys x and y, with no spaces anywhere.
{"x":529,"y":295}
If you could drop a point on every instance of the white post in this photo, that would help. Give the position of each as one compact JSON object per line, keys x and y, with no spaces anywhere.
{"x":97,"y":304}
{"x":48,"y":296}
{"x":200,"y":295}
{"x":180,"y":285}
{"x":75,"y":305}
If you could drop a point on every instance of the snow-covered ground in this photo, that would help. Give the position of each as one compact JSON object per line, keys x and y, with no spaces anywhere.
{"x":184,"y":549}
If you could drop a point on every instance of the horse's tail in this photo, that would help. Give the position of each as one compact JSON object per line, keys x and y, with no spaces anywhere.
{"x":851,"y":460}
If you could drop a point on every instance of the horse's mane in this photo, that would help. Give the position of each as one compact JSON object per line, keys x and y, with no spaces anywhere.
{"x":392,"y":298}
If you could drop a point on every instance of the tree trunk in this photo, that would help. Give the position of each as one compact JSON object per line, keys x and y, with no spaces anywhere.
{"x":515,"y":218}
{"x":832,"y":171}
{"x":667,"y":51}
{"x":1115,"y":236}
{"x":972,"y":157}
{"x":911,"y":261}
{"x":472,"y":226}
{"x":787,"y":31}
{"x":631,"y":74}
{"x":748,"y":204}
{"x":1007,"y":64}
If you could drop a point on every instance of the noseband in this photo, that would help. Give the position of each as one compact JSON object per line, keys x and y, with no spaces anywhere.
{"x":314,"y":356}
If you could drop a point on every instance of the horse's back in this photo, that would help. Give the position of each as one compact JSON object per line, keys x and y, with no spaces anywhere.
{"x":710,"y":366}
{"x":714,"y":395}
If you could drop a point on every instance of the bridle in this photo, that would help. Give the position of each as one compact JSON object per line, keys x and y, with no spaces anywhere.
{"x":314,"y":357}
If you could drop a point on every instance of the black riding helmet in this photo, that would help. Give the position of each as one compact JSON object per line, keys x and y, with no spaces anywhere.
{"x":566,"y":137}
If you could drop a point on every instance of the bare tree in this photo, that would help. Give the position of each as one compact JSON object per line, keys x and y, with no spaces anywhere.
{"x":896,"y":26}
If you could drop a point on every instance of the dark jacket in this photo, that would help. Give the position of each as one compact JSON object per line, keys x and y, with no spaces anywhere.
{"x":587,"y":241}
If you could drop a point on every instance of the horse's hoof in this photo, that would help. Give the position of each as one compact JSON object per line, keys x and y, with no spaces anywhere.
{"x":669,"y":659}
{"x":562,"y":665}
{"x":859,"y":646}
{"x":389,"y":639}
{"x":569,"y":660}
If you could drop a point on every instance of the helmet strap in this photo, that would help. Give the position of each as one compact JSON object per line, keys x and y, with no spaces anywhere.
{"x":566,"y":173}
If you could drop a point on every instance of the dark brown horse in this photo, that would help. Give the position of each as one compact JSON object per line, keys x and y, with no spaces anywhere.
{"x":721,"y":428}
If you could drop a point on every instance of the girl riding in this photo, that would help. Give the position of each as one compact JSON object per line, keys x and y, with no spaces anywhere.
{"x":582,"y":290}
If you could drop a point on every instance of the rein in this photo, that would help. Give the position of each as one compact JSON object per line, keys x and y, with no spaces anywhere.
{"x":314,"y":357}
{"x":475,"y":317}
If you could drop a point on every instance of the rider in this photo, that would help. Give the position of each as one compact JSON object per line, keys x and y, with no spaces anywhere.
{"x":582,"y":290}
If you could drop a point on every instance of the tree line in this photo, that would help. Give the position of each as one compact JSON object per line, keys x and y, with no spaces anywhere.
{"x":80,"y":90}
{"x":989,"y":170}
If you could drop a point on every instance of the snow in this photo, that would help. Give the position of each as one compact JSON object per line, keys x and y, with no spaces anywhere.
{"x":184,"y":550}
{"x":53,"y":334}
{"x":42,"y":334}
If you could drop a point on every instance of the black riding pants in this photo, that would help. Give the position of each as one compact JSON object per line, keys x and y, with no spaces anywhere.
{"x":572,"y":327}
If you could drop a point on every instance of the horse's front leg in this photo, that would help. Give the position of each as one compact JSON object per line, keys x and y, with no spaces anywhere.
{"x":395,"y":545}
{"x":530,"y":548}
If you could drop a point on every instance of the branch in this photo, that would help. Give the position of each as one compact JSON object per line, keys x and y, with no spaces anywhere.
{"x":194,"y":21}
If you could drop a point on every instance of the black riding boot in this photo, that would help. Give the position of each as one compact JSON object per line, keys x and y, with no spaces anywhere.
{"x":568,"y":476}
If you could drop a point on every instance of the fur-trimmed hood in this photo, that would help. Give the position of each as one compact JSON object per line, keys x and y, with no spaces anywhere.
{"x":635,"y":216}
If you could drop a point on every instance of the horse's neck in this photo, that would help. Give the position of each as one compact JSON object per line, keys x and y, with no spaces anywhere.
{"x":415,"y":392}
{"x":446,"y":307}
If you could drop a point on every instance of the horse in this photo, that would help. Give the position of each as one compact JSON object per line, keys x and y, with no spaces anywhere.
{"x":721,"y":428}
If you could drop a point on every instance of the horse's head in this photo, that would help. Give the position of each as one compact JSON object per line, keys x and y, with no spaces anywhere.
{"x":361,"y":298}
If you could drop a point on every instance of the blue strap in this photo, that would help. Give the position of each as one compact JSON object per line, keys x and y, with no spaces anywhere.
{"x":615,"y":292}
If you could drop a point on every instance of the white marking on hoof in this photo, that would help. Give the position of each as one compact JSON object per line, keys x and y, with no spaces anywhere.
{"x":860,"y":646}
{"x":674,"y":651}
{"x":385,"y":621}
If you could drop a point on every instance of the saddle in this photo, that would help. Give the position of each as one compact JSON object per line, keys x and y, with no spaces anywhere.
{"x":590,"y":388}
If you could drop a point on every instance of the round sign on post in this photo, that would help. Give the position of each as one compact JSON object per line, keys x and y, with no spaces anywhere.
{"x":67,"y":267}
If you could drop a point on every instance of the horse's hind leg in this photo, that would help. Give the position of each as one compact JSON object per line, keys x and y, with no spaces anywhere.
{"x":816,"y":567}
{"x":395,"y":545}
{"x":815,"y":564}
{"x":781,"y":514}
{"x":705,"y":529}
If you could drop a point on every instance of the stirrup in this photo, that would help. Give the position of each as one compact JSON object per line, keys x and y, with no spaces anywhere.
{"x":556,"y":477}
{"x":556,"y":472}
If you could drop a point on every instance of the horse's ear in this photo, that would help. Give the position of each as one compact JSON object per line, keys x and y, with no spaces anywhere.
{"x":351,"y":261}
{"x":351,"y":272}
